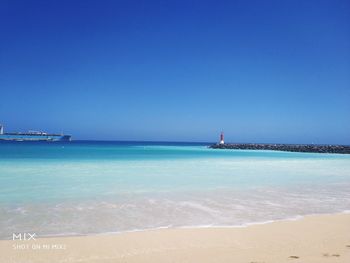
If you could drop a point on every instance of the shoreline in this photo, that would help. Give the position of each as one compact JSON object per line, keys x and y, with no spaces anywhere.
{"x":313,"y":238}
{"x":244,"y":225}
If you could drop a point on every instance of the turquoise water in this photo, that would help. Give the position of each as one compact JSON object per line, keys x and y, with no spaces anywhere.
{"x":99,"y":187}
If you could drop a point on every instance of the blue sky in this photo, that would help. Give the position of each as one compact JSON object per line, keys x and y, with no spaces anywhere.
{"x":262,"y":71}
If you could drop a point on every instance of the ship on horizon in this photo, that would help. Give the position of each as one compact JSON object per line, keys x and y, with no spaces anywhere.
{"x":32,"y":136}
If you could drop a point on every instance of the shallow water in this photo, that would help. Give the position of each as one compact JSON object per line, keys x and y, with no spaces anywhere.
{"x":99,"y":187}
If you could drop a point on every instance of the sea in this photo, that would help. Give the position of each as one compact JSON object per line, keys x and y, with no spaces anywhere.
{"x":99,"y":187}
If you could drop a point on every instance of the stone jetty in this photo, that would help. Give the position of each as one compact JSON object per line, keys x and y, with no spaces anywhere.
{"x":309,"y":148}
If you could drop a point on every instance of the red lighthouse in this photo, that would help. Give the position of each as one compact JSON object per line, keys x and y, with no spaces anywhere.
{"x":222,"y":138}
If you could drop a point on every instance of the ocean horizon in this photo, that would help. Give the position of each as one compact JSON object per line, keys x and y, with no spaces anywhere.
{"x":95,"y":187}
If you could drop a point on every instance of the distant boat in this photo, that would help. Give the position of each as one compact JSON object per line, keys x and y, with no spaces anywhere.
{"x":32,"y":136}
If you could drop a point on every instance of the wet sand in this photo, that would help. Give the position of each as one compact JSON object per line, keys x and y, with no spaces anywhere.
{"x":323,"y":238}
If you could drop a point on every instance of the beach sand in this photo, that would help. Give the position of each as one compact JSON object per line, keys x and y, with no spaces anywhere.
{"x":322,"y":238}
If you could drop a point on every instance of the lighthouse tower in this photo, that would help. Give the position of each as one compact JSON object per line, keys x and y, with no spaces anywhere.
{"x":222,"y":138}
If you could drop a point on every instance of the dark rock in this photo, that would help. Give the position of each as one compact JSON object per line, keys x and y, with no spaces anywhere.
{"x":310,"y":148}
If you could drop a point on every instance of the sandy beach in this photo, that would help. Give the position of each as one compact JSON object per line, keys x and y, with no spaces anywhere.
{"x":322,"y":238}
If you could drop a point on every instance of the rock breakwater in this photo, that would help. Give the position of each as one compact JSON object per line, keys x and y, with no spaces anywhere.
{"x":310,"y":148}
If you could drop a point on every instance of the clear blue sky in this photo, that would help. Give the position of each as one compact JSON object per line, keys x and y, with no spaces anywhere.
{"x":262,"y":71}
